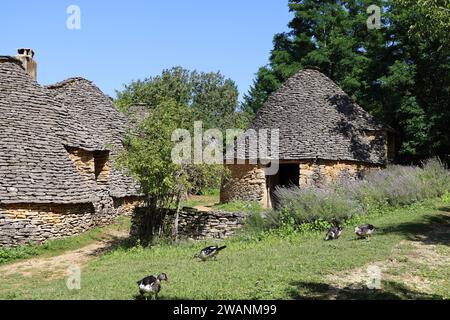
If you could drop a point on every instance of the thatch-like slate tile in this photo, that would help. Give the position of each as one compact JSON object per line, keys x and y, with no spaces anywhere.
{"x":34,"y":165}
{"x":36,"y":123}
{"x":101,"y":119}
{"x":317,"y":119}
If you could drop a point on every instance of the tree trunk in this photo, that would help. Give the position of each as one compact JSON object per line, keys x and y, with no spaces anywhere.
{"x":177,"y":216}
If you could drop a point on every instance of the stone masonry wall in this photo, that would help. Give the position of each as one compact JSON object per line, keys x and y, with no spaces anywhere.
{"x":192,"y":225}
{"x":125,"y":206}
{"x":84,"y":162}
{"x":247,"y":182}
{"x":324,"y":171}
{"x":37,"y":223}
{"x":102,"y":168}
{"x":197,"y":225}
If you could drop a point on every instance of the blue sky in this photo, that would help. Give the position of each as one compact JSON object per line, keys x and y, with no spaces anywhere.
{"x":121,"y":41}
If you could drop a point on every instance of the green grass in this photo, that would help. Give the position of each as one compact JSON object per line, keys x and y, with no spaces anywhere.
{"x":211,"y":199}
{"x":59,"y":246}
{"x":255,"y":267}
{"x":240,"y":206}
{"x":203,"y":200}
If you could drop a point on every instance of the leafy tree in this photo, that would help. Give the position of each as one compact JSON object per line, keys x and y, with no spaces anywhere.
{"x":148,"y":157}
{"x":430,"y":19}
{"x":206,"y":97}
{"x":209,"y":96}
{"x":399,"y":73}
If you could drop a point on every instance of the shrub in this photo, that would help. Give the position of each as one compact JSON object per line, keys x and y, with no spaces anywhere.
{"x":319,"y":206}
{"x":17,"y":253}
{"x":305,"y":205}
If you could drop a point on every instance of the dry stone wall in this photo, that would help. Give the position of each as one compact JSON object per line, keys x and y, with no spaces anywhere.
{"x":247,"y":182}
{"x":84,"y":162}
{"x":125,"y":206}
{"x":36,"y":223}
{"x":192,"y":225}
{"x":324,"y":171}
{"x":197,"y":225}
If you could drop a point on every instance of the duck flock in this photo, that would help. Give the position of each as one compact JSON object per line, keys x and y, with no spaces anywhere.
{"x":151,"y":285}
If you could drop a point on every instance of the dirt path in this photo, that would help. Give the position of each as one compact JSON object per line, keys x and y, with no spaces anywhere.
{"x":58,"y":267}
{"x":203,"y":208}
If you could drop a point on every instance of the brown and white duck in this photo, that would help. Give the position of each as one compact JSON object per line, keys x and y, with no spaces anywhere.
{"x":209,"y":253}
{"x":333,"y":233}
{"x":151,"y":285}
{"x":364,"y":231}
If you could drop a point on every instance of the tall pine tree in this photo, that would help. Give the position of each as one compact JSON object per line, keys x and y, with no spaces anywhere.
{"x":398,"y":74}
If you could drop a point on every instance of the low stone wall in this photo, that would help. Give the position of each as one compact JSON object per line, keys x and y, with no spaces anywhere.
{"x":192,"y":225}
{"x":197,"y":225}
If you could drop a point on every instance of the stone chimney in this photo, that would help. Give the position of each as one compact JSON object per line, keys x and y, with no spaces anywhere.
{"x":26,"y":57}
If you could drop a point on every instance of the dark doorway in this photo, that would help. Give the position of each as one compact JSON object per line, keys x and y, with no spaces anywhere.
{"x":288,"y":175}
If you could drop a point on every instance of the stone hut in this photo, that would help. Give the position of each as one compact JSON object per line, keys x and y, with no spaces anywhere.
{"x":323,"y":136}
{"x":57,"y":176}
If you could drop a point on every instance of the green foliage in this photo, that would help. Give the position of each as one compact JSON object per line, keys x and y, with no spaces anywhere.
{"x":170,"y":101}
{"x":210,"y":97}
{"x":312,"y":204}
{"x":400,"y":73}
{"x":211,"y":192}
{"x":18,"y":253}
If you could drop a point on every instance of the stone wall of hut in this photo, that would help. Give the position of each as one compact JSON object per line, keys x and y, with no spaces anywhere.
{"x":36,"y":223}
{"x":126,"y":206}
{"x":326,"y":171}
{"x":246,"y":182}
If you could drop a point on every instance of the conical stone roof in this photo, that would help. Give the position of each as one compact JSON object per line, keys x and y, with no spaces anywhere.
{"x":317,"y":119}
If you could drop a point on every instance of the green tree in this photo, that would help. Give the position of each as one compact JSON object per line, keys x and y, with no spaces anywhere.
{"x":331,"y":35}
{"x":210,"y":97}
{"x":399,"y":73}
{"x":148,"y":157}
{"x":430,"y":19}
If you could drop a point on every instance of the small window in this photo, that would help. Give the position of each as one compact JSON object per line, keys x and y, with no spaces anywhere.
{"x":101,"y":159}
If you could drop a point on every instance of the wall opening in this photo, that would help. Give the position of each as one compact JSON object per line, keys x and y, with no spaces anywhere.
{"x":288,"y":175}
{"x":101,"y":160}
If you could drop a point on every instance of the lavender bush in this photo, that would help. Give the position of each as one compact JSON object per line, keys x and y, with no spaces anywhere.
{"x":378,"y":190}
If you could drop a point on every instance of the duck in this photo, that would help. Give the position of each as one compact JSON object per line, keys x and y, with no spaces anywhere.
{"x":364,"y":231}
{"x":209,"y":253}
{"x":333,"y":233}
{"x":151,"y":285}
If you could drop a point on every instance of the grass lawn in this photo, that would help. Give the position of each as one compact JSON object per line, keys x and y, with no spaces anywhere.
{"x":272,"y":267}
